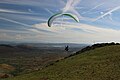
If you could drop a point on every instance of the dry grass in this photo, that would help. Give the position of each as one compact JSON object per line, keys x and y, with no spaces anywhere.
{"x":6,"y":67}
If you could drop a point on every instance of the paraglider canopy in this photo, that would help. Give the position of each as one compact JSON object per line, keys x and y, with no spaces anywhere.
{"x":52,"y":18}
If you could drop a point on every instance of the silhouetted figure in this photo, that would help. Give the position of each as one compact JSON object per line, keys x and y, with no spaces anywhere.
{"x":67,"y":48}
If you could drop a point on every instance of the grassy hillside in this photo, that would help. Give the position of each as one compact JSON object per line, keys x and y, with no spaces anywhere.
{"x":98,"y":64}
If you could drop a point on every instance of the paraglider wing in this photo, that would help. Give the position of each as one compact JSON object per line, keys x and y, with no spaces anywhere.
{"x":52,"y":18}
{"x":72,"y":16}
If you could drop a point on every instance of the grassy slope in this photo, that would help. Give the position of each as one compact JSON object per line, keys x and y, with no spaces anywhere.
{"x":99,"y":64}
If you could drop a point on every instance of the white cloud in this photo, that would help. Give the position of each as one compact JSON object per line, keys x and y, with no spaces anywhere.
{"x":19,"y":37}
{"x":88,"y":33}
{"x":7,"y":36}
{"x":38,"y":3}
{"x":14,"y":11}
{"x":16,"y":22}
{"x":12,"y":31}
{"x":44,"y":26}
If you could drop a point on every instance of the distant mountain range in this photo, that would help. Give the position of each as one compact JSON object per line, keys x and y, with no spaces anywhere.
{"x":7,"y":48}
{"x":41,"y":48}
{"x":43,"y":44}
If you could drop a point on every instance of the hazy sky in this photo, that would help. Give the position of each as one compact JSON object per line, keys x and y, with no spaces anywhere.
{"x":26,"y":20}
